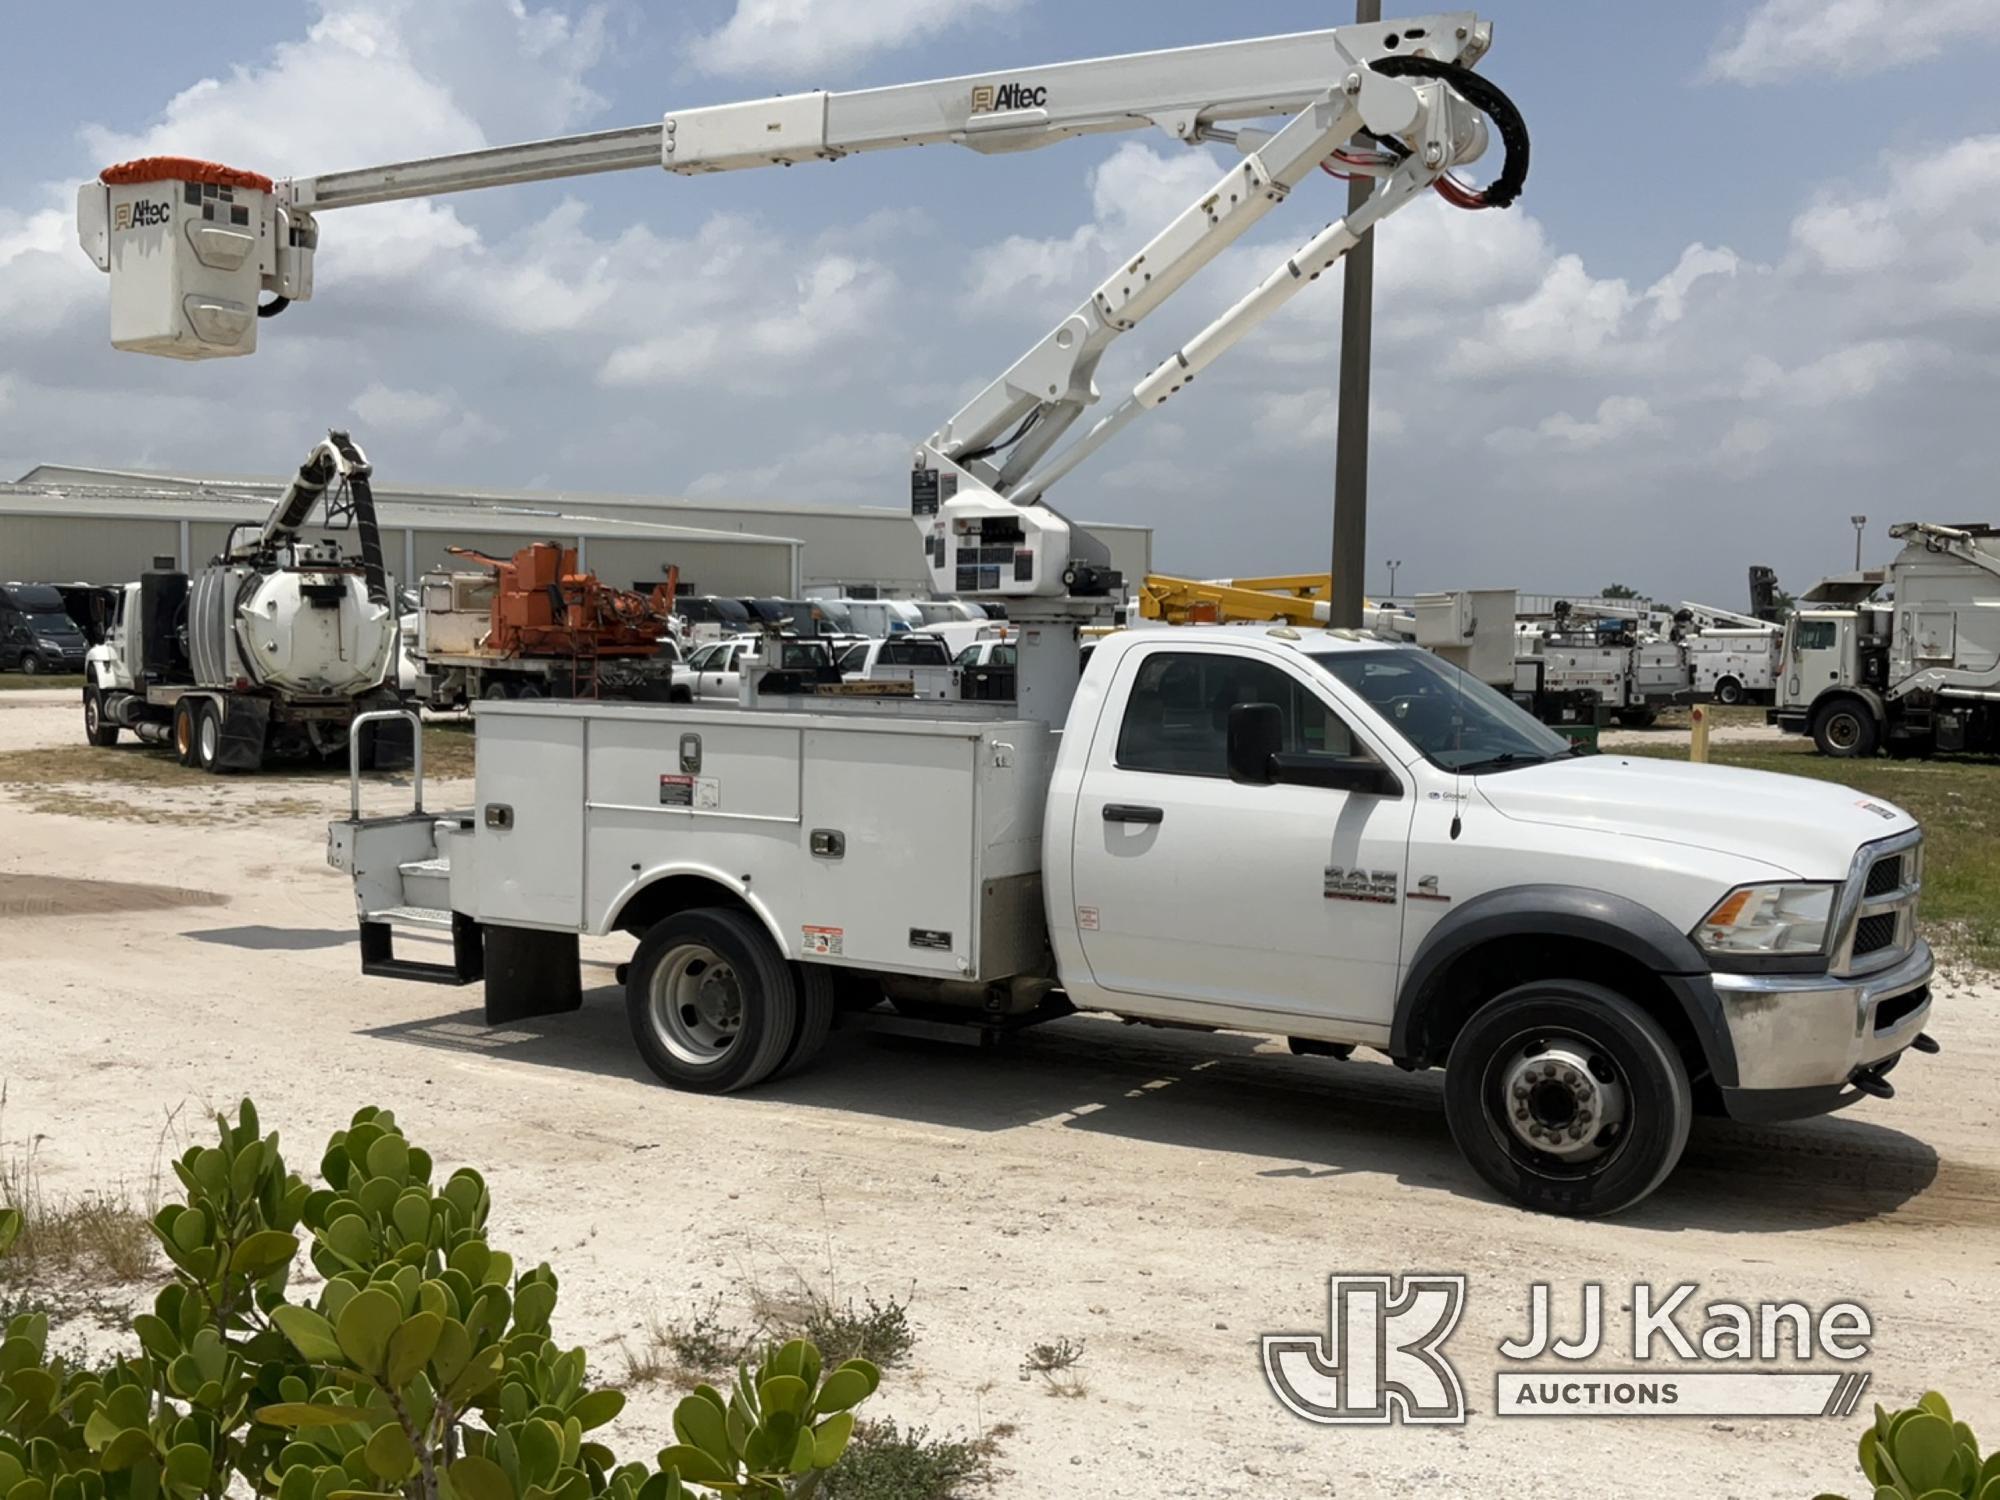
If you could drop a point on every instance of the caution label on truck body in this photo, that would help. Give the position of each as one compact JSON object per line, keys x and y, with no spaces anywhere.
{"x":690,"y":791}
{"x":824,"y":942}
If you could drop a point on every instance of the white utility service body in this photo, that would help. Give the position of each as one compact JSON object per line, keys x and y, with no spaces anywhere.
{"x":994,"y":869}
{"x":1733,"y":666}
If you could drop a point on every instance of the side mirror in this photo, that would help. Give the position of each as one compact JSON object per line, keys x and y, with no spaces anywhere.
{"x":1256,"y":731}
{"x":1355,"y":773}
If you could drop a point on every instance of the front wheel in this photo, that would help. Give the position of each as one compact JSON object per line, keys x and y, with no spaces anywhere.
{"x":31,"y":664}
{"x":712,"y":1003}
{"x":100,"y":731}
{"x":1568,"y":1098}
{"x":1729,"y":691}
{"x":1845,"y":731}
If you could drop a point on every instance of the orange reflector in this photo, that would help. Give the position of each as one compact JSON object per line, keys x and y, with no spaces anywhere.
{"x":1726,"y":914}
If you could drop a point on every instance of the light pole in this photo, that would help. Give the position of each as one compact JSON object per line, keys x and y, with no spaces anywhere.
{"x":1350,"y":462}
{"x":1394,"y":563}
{"x":1859,"y":522}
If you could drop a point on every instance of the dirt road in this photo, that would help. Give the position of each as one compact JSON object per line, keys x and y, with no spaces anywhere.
{"x":1166,"y":1197}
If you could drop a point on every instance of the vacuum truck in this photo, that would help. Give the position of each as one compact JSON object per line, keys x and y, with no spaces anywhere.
{"x":268,"y":652}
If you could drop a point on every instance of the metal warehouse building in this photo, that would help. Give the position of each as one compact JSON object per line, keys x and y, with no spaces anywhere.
{"x":65,"y":523}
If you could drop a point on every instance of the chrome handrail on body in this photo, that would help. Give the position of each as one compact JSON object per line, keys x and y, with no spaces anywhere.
{"x":354,"y":755}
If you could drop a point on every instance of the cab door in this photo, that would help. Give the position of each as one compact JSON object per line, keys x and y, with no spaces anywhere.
{"x":1190,"y":887}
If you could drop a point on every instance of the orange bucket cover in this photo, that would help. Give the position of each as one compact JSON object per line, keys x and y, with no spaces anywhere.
{"x":183,"y":169}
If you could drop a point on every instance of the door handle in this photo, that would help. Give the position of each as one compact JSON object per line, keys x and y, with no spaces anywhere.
{"x":1123,"y":812}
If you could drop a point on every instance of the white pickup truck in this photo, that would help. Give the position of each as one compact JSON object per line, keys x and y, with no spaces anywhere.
{"x":1317,"y":835}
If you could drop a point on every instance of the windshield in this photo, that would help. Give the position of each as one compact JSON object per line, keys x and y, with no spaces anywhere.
{"x":52,"y":624}
{"x":1455,"y":721}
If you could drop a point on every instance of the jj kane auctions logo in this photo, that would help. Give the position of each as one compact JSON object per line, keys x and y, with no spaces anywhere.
{"x":1381,"y":1358}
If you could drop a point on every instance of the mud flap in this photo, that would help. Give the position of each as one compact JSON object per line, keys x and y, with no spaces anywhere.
{"x":531,"y":973}
{"x":246,"y":724}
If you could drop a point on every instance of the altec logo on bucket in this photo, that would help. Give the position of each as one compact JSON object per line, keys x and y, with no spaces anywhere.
{"x":1381,"y":1358}
{"x":140,"y":214}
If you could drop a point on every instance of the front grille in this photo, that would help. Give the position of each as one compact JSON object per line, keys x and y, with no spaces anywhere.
{"x":1873,"y":934}
{"x":1885,"y":875}
{"x":1891,"y":1012}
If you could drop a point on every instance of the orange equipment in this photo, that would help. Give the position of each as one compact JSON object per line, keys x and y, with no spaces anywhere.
{"x":543,"y":606}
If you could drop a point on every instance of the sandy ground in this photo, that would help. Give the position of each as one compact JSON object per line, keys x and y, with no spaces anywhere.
{"x":1165,"y":1197}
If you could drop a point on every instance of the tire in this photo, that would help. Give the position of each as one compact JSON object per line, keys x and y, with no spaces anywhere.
{"x":31,"y":664}
{"x":496,"y":691}
{"x":530,"y":690}
{"x":711,"y":1040}
{"x":96,"y":729}
{"x":1846,"y":730}
{"x":208,"y":738}
{"x":818,"y":1001}
{"x":1633,"y":1072}
{"x":1728,"y":690}
{"x":1638,"y":718}
{"x":184,"y":732}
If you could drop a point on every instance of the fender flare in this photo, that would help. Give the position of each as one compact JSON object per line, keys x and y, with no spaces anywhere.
{"x":639,"y":884}
{"x":1610,"y":921}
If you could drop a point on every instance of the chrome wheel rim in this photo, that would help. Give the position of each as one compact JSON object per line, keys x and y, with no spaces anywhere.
{"x":210,"y":738}
{"x":1843,"y":731}
{"x":1562,"y":1102}
{"x":90,"y":712}
{"x":695,"y":1005}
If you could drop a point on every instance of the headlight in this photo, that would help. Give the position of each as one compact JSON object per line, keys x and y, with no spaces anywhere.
{"x":1769,"y":919}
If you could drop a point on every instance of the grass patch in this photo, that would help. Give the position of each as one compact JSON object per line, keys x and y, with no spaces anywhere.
{"x":20,"y":682}
{"x":685,"y":1351}
{"x":84,"y":781}
{"x":1057,"y":1365}
{"x":878,"y":1332}
{"x":90,"y":1238}
{"x":702,"y":1345}
{"x":885,"y":1462}
{"x":1956,"y":799}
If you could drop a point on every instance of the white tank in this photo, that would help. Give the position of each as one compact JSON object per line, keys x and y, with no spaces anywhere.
{"x":300,"y":633}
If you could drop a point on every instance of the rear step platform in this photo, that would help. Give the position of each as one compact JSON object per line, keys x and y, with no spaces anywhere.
{"x":468,"y":948}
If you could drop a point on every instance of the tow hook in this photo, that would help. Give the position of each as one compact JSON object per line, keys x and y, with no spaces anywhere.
{"x":1872,"y":1083}
{"x":1926,"y":1044}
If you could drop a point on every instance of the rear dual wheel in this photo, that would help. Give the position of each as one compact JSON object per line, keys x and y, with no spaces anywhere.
{"x":715,"y":1007}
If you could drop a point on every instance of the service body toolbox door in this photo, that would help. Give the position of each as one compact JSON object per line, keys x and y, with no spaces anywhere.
{"x":529,"y":816}
{"x":1191,"y":887}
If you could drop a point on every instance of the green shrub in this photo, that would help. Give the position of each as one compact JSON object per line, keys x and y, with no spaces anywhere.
{"x":1923,"y":1453}
{"x":424,"y":1370}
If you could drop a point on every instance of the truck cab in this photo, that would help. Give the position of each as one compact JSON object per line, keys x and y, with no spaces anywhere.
{"x":1831,"y":672}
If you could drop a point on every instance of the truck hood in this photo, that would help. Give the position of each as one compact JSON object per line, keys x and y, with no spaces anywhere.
{"x":1809,"y":828}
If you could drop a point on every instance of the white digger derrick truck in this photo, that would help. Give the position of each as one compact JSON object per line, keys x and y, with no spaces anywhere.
{"x":1316,"y":833}
{"x":1905,"y":659}
{"x":269,"y":651}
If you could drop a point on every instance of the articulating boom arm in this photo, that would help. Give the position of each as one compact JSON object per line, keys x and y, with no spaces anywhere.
{"x":190,"y":245}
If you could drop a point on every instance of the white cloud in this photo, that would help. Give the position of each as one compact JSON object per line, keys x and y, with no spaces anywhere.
{"x":842,"y":468}
{"x":835,"y":298}
{"x":1849,"y":374}
{"x":1565,"y":323}
{"x":1783,"y":39}
{"x":387,"y":409}
{"x":1310,"y":419}
{"x":1135,"y":192}
{"x":790,"y":38}
{"x":1618,"y":420}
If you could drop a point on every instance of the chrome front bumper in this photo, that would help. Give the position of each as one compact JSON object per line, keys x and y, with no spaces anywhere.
{"x":1814,"y":1031}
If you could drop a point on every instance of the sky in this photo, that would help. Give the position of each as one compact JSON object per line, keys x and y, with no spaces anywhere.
{"x":1752,"y":289}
